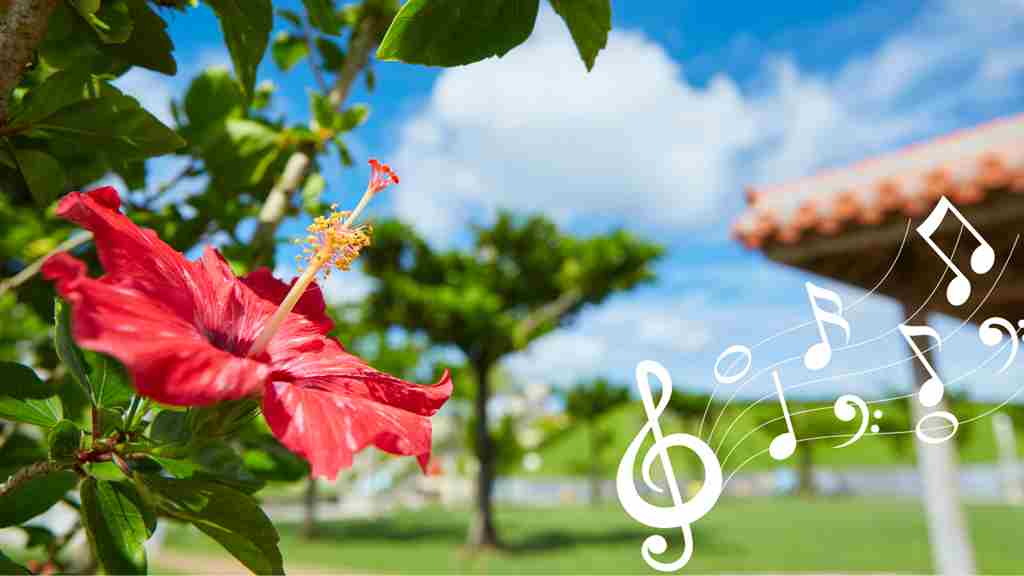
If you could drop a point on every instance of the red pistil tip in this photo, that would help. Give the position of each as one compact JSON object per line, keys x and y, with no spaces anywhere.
{"x":381,"y":176}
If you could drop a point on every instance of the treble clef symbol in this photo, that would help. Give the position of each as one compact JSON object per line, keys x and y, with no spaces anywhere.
{"x":680,"y":514}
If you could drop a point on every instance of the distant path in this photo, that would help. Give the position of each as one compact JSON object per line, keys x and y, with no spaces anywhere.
{"x":202,"y":564}
{"x":182,"y":562}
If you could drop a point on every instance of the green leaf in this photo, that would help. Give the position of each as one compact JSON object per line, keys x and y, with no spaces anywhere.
{"x":371,"y":79}
{"x":331,"y":54}
{"x":213,"y":96}
{"x":454,"y":32}
{"x":229,"y":516}
{"x":344,"y":155}
{"x":288,"y":50}
{"x":67,"y":351}
{"x":20,"y":381}
{"x":353,"y":117}
{"x":291,"y":16}
{"x":325,"y":115}
{"x":312,"y":190}
{"x":38,"y":536}
{"x":170,"y":427}
{"x":240,"y":151}
{"x":115,"y":123}
{"x":117,"y":524}
{"x":8,"y":566}
{"x":323,"y":16}
{"x":261,"y":99}
{"x":60,"y":89}
{"x":64,"y":440}
{"x":113,"y":387}
{"x":246,"y":25}
{"x":220,"y":462}
{"x":589,"y":22}
{"x":149,"y":45}
{"x":112,"y":22}
{"x":86,"y":7}
{"x":34,"y":497}
{"x":42,"y":173}
{"x":46,"y":412}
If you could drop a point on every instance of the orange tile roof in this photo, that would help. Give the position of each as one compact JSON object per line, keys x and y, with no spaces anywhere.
{"x":964,"y":166}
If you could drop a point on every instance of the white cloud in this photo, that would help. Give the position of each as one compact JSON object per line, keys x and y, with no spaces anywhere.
{"x":634,"y":140}
{"x":534,"y":131}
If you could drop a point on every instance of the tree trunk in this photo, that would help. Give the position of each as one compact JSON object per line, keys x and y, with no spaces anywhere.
{"x":22,"y":27}
{"x":806,"y":471}
{"x":947,"y":529}
{"x":481,"y":531}
{"x":309,"y":524}
{"x":595,"y":479}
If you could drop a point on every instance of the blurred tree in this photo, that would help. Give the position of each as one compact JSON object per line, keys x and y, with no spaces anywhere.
{"x":587,"y":403}
{"x":522,"y":279}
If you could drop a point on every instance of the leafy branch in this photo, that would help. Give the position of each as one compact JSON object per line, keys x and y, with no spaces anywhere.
{"x":275,"y":207}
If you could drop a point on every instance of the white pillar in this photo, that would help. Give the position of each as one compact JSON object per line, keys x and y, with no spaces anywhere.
{"x":937,"y":463}
{"x":1006,"y":444}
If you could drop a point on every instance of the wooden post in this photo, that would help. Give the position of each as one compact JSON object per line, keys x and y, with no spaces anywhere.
{"x":937,"y":463}
{"x":1006,"y":446}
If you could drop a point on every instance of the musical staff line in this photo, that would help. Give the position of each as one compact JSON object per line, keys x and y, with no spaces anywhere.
{"x":912,"y":357}
{"x":995,"y":354}
{"x":856,"y":303}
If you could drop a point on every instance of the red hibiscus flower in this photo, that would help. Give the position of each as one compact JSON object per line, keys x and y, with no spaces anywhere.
{"x":192,"y":333}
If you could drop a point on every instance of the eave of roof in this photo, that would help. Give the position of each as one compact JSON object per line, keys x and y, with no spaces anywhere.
{"x":965,"y":166}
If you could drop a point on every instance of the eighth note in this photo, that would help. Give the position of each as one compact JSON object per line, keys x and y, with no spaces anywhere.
{"x":932,"y":389}
{"x":784,"y":444}
{"x":982,"y":259}
{"x":819,"y":355}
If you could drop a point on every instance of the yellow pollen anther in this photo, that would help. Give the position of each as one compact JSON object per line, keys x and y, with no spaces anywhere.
{"x":332,"y":240}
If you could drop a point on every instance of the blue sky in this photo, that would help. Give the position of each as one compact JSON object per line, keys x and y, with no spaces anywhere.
{"x":691,"y":102}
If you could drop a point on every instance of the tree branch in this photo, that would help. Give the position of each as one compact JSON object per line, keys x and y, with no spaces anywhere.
{"x":275,"y":207}
{"x":30,"y":270}
{"x":22,"y":27}
{"x":546,"y":313}
{"x":28,"y":473}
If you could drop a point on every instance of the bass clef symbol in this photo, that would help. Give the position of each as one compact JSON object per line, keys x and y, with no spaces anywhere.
{"x":680,"y":514}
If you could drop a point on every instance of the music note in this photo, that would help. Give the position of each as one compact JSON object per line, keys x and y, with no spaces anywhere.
{"x":819,"y":355}
{"x":982,"y":259}
{"x":844,"y":410}
{"x":991,"y":336}
{"x":784,"y":444}
{"x":680,"y":514}
{"x":932,"y":390}
{"x":951,"y":422}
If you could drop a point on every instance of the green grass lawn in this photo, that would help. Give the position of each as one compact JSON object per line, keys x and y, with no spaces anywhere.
{"x":762,"y":535}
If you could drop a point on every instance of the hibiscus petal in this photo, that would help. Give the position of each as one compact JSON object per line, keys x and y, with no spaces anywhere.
{"x":130,"y":254}
{"x":170,"y":360}
{"x":311,"y":304}
{"x":327,"y":428}
{"x":332,"y":368}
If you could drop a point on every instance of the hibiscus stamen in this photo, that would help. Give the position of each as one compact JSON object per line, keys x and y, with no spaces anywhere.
{"x":333,"y":242}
